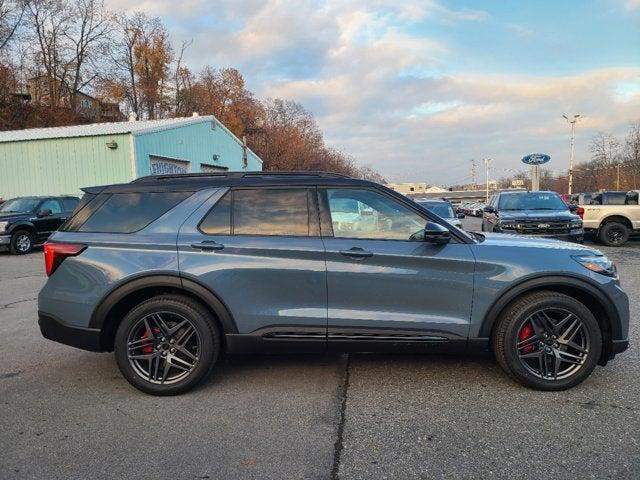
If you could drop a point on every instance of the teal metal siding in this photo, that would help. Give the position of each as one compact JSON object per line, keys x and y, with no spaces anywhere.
{"x":196,"y":143}
{"x":62,"y":165}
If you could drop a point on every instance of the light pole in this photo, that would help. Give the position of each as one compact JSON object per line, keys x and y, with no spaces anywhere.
{"x":571,"y":121}
{"x":487,"y":163}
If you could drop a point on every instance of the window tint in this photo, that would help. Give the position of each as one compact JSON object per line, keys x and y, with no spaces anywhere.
{"x":371,"y":215}
{"x":52,"y":205}
{"x":69,"y":204}
{"x":130,"y":212}
{"x":271,"y":212}
{"x":218,"y":220}
{"x":615,"y":198}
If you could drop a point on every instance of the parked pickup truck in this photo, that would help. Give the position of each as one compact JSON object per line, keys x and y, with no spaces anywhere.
{"x":612,"y":224}
{"x":27,"y":221}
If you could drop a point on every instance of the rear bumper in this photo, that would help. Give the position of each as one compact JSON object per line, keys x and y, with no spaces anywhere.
{"x":58,"y":331}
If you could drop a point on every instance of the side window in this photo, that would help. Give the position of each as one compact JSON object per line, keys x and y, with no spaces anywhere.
{"x":271,"y":212}
{"x":69,"y":204}
{"x":52,"y":205}
{"x":365,"y":214}
{"x":218,"y":220}
{"x":130,"y":212}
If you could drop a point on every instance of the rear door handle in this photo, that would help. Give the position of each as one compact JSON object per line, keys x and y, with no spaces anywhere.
{"x":207,"y":246}
{"x":356,"y":252}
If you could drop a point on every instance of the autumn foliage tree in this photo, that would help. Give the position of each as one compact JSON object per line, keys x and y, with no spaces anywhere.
{"x":78,"y":46}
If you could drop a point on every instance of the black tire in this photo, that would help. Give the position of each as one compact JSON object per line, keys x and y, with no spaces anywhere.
{"x":614,"y":234}
{"x":21,"y":242}
{"x":512,"y":320}
{"x":178,"y":306}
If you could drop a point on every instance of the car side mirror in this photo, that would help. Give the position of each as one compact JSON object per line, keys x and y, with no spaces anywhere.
{"x":460,"y":215}
{"x":489,"y":209}
{"x":436,"y":233}
{"x":44,"y":213}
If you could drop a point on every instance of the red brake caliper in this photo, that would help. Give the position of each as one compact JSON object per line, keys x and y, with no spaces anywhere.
{"x":149,"y":348}
{"x":525,"y":332}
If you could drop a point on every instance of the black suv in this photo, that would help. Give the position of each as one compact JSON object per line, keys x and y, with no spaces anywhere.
{"x":27,"y":221}
{"x":532,"y":213}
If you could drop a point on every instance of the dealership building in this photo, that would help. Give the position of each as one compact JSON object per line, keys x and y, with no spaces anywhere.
{"x":62,"y":160}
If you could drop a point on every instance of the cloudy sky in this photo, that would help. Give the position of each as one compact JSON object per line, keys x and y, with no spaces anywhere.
{"x":419,"y":88}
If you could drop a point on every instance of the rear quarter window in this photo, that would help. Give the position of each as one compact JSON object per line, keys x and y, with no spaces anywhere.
{"x":124,"y":212}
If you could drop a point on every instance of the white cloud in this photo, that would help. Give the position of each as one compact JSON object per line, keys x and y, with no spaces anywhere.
{"x":377,"y":86}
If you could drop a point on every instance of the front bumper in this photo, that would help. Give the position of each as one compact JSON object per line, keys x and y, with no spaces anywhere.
{"x":58,"y":331}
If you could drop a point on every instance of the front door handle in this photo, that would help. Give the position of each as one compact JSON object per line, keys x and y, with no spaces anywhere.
{"x":207,"y":246}
{"x":356,"y":252}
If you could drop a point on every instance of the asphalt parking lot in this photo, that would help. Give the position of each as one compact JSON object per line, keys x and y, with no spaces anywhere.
{"x":66,"y":413}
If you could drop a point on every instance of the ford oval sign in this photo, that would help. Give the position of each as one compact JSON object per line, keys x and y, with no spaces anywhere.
{"x":536,"y":159}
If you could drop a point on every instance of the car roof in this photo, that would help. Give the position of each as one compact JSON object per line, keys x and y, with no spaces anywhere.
{"x":432,"y":200}
{"x":527,"y":192}
{"x":42,"y":197}
{"x":199,"y":181}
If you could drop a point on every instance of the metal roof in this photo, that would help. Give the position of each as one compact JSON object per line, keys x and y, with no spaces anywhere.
{"x":95,"y":129}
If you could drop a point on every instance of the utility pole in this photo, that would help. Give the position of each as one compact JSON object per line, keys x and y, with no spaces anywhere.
{"x":571,"y":121}
{"x":618,"y":177}
{"x":487,"y":163}
{"x":473,"y":173}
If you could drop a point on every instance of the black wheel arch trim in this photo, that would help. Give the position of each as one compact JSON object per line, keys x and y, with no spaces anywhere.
{"x":13,"y":228}
{"x":163,"y":280}
{"x":540,"y":282}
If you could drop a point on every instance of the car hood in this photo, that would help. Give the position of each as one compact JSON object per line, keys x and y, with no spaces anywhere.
{"x":4,"y":217}
{"x":527,"y":241}
{"x":542,"y":215}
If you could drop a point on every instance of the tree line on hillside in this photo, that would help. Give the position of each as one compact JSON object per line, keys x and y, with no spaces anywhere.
{"x":63,"y":62}
{"x":614,"y":165}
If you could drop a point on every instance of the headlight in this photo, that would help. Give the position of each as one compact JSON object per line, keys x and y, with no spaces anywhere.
{"x":3,"y":226}
{"x":597,"y":263}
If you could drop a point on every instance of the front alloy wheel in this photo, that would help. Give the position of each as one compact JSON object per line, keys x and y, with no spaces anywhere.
{"x":553,"y":344}
{"x":21,"y":242}
{"x":547,"y":340}
{"x":166,"y":345}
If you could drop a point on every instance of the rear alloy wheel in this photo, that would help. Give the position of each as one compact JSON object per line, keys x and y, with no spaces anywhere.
{"x":614,"y":234}
{"x":166,"y":345}
{"x":21,"y":242}
{"x":548,"y":341}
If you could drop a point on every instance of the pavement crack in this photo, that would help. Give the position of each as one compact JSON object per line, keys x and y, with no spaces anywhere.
{"x":11,"y":304}
{"x":338,"y":445}
{"x":592,"y":404}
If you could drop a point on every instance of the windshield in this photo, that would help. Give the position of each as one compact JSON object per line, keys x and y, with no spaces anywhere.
{"x":443,"y":210}
{"x":19,"y":205}
{"x":531,"y":201}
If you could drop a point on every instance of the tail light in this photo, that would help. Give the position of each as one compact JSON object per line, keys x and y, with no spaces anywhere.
{"x":580,"y":212}
{"x":55,"y":253}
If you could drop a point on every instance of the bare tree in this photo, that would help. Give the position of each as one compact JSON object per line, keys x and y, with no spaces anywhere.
{"x":87,"y":34}
{"x":11,"y":17}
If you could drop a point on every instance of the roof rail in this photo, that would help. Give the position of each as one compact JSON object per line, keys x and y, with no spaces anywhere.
{"x":176,"y":176}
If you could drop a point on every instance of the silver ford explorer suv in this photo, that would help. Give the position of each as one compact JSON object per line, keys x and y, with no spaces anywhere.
{"x":171,"y":272}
